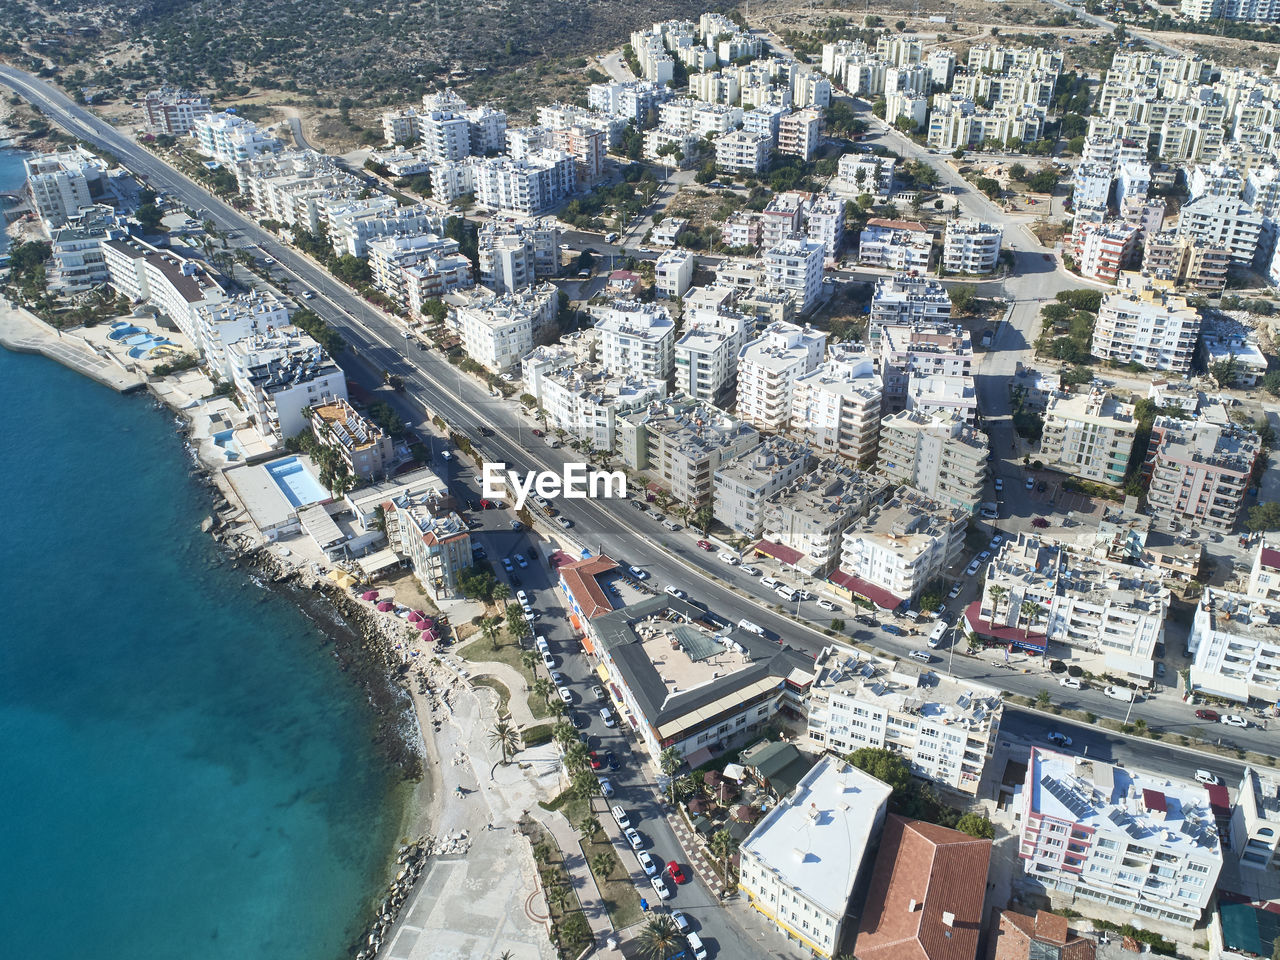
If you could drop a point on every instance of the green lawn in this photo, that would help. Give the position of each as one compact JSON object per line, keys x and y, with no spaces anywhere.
{"x":619,"y":894}
{"x":504,"y":695}
{"x":508,"y":651}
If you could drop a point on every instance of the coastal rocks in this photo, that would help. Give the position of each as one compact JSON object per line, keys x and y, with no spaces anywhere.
{"x":412,"y":860}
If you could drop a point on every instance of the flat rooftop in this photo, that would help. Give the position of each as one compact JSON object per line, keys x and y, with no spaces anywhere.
{"x":816,"y":839}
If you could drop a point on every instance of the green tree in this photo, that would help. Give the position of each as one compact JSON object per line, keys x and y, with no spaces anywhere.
{"x":976,"y":825}
{"x":588,"y":826}
{"x":659,"y":938}
{"x":542,"y":687}
{"x":576,"y":757}
{"x":603,"y":863}
{"x":703,"y":517}
{"x":563,"y":733}
{"x":723,"y":846}
{"x":1265,"y":516}
{"x":885,"y":765}
{"x":489,"y":627}
{"x":670,"y":761}
{"x":584,"y":785}
{"x":503,"y":735}
{"x":1043,"y":699}
{"x":529,"y":659}
{"x":962,"y":295}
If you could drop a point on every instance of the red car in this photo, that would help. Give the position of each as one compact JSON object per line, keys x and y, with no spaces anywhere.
{"x":676,"y":873}
{"x":536,"y":432}
{"x":705,"y":545}
{"x":1211,"y":715}
{"x":595,"y":761}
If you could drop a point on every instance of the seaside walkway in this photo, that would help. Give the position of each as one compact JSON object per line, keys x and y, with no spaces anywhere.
{"x":24,"y":332}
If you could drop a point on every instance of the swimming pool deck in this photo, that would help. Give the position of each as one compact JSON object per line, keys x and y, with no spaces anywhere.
{"x":23,"y":332}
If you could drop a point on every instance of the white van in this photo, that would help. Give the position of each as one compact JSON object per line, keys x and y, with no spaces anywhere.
{"x":541,"y":644}
{"x":752,"y":627}
{"x":789,"y":594}
{"x":921,"y":655}
{"x":696,"y":946}
{"x":939,"y":631}
{"x":773,"y":583}
{"x":1120,"y":693}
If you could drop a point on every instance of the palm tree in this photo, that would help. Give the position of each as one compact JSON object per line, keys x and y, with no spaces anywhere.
{"x":559,"y":897}
{"x":564,"y":734}
{"x":670,"y":761}
{"x":557,"y":708}
{"x":588,"y":826}
{"x":1028,"y":610}
{"x":506,"y":955}
{"x":659,"y":937}
{"x":503,"y":734}
{"x":530,"y":660}
{"x":543,"y":688}
{"x":575,"y":757}
{"x":996,"y":593}
{"x":602,"y":864}
{"x":703,"y":517}
{"x":584,"y":785}
{"x":501,"y":593}
{"x":723,"y":845}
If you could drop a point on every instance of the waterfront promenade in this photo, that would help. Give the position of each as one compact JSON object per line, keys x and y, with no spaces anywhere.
{"x":23,"y":332}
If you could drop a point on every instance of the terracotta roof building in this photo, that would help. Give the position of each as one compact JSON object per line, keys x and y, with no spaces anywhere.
{"x":1042,"y":937}
{"x":581,"y":586}
{"x":926,"y":895}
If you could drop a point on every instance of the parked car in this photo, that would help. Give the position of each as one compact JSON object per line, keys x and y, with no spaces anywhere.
{"x":999,"y":485}
{"x":1031,"y":484}
{"x":610,"y":760}
{"x":827,"y":605}
{"x":607,"y":716}
{"x":1231,"y":720}
{"x":638,"y":573}
{"x":1120,"y":693}
{"x":620,"y":816}
{"x":750,"y":571}
{"x":521,"y":561}
{"x":1058,"y":739}
{"x":730,"y":559}
{"x":676,"y":874}
{"x":972,"y":568}
{"x":594,"y":759}
{"x":517,"y":526}
{"x":660,"y":888}
{"x":565,"y":695}
{"x":955,"y":591}
{"x":1210,"y":715}
{"x":922,"y":655}
{"x":606,"y":788}
{"x":633,"y":838}
{"x":1208,"y":779}
{"x":681,"y":921}
{"x":1072,"y":682}
{"x":892,"y":629}
{"x":866,"y":620}
{"x":523,"y":598}
{"x":995,"y":542}
{"x":676,"y":592}
{"x":647,"y":862}
{"x":705,"y":545}
{"x":506,"y":564}
{"x":598,"y":691}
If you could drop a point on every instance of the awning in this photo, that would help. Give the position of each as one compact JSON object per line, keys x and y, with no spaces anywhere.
{"x":734,"y":771}
{"x":1035,"y":642}
{"x":714,"y":709}
{"x":587,"y":645}
{"x":861,"y":588}
{"x":378,"y":561}
{"x":342,"y":578}
{"x":602,"y":672}
{"x":699,"y":757}
{"x":779,"y":552}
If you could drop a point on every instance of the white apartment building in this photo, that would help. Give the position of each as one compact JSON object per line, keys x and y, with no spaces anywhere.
{"x":947,"y":394}
{"x":938,"y":454}
{"x":835,"y":408}
{"x":1037,"y":593}
{"x":353,"y":223}
{"x":913,"y":352}
{"x":230,"y":139}
{"x":680,"y":445}
{"x":897,"y":245}
{"x":222,"y":322}
{"x":1133,"y":180}
{"x":1250,"y":11}
{"x":1089,"y":436}
{"x":742,"y":485}
{"x":1146,"y":324}
{"x":512,"y":256}
{"x":1200,"y":471}
{"x":907,"y":300}
{"x":945,"y":729}
{"x":632,"y":99}
{"x":858,"y":173}
{"x":526,"y":186}
{"x":1255,"y":821}
{"x":673,"y":147}
{"x":418,"y":267}
{"x":894,"y":552}
{"x":969,"y":246}
{"x":174,"y":285}
{"x":805,"y":521}
{"x":445,"y":136}
{"x":586,"y":402}
{"x":767,"y":370}
{"x":794,"y":267}
{"x":800,"y":867}
{"x":1091,"y":186}
{"x":401,"y":126}
{"x":742,"y":152}
{"x":800,"y":133}
{"x":673,"y":273}
{"x":1235,"y":647}
{"x":78,"y":262}
{"x":62,"y":184}
{"x":498,"y":329}
{"x":636,"y":339}
{"x":1103,"y":249}
{"x":1225,"y":222}
{"x":280,"y":375}
{"x":423,"y":528}
{"x":706,"y":355}
{"x":1264,"y":576}
{"x":1144,"y":843}
{"x":824,"y":224}
{"x":297,"y":187}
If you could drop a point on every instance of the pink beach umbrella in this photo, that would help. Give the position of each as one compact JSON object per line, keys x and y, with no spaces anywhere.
{"x":386,"y":605}
{"x":428,"y":635}
{"x":426,"y":623}
{"x":415,"y":616}
{"x":369,"y":595}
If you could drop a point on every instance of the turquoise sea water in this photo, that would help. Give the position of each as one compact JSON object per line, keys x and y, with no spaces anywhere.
{"x":184,"y":772}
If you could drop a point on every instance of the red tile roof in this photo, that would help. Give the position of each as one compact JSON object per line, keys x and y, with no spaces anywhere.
{"x":1017,"y":931}
{"x":1270,"y":558}
{"x":925,"y":901}
{"x":580,"y":580}
{"x":877,"y":595}
{"x":1015,"y":635}
{"x":778,"y":551}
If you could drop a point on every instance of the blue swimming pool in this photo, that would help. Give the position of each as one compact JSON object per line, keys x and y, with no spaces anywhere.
{"x":119,"y":332}
{"x":226,"y":440}
{"x":296,"y":482}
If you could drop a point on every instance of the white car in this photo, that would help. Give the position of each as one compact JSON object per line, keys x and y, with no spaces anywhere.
{"x":972,"y":568}
{"x":633,"y":838}
{"x":638,"y":573}
{"x":564,"y":522}
{"x":676,"y":592}
{"x":647,"y":862}
{"x":955,"y":591}
{"x":995,"y":541}
{"x":1119,"y":693}
{"x":548,"y":661}
{"x":681,"y":921}
{"x":827,"y":605}
{"x":750,"y":571}
{"x":1072,"y":682}
{"x":606,"y":787}
{"x":522,"y":597}
{"x":565,"y":695}
{"x":729,"y":558}
{"x":660,"y":888}
{"x":620,"y":816}
{"x":1207,"y":778}
{"x":1231,"y":720}
{"x":308,"y":295}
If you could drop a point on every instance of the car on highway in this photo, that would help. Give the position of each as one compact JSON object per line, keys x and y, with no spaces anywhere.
{"x":606,"y":788}
{"x":647,"y":862}
{"x":750,"y":571}
{"x":1210,"y":715}
{"x":660,"y":888}
{"x":268,"y":261}
{"x":1072,"y":682}
{"x":706,"y":545}
{"x":308,"y":295}
{"x":1231,"y":720}
{"x":1058,"y":739}
{"x":827,"y":605}
{"x":730,"y":559}
{"x":676,"y":592}
{"x":675,"y":873}
{"x":564,"y":522}
{"x":633,"y":838}
{"x":1208,"y":779}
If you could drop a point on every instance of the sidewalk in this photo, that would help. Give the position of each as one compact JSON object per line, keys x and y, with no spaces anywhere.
{"x":580,"y":875}
{"x":695,"y":854}
{"x":23,"y":332}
